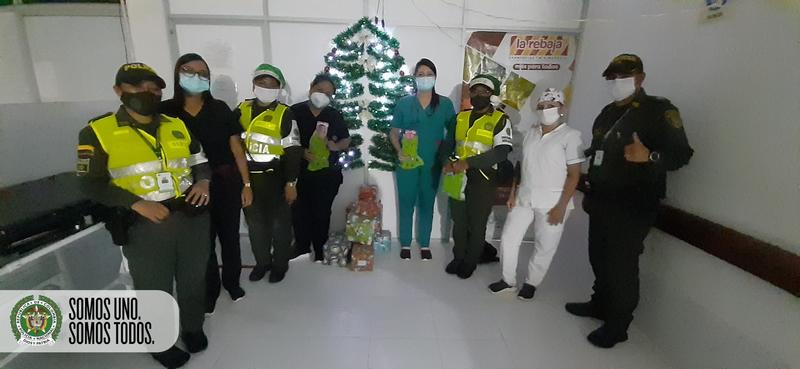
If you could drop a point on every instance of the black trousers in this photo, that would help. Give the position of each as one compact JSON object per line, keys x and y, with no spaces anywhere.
{"x":172,"y":252}
{"x":269,"y":220}
{"x":617,"y":229}
{"x":470,"y":216}
{"x":311,"y":213}
{"x":226,"y":205}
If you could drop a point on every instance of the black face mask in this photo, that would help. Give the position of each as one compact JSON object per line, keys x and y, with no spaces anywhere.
{"x":144,"y":103}
{"x":480,"y":102}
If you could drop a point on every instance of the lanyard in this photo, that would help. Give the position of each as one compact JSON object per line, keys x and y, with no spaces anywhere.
{"x":614,"y":126}
{"x":157,"y":148}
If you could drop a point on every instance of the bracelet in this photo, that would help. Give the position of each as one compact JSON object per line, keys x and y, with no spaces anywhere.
{"x":247,"y":184}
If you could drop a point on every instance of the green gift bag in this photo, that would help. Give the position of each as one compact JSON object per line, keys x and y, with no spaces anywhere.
{"x":410,"y":144}
{"x":319,"y":148}
{"x":454,"y":184}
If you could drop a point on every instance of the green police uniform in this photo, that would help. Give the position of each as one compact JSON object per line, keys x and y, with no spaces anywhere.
{"x":121,"y":162}
{"x":623,"y":198}
{"x":484,"y":140}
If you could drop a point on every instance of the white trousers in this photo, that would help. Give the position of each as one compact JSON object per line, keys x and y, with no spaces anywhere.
{"x":546,"y":239}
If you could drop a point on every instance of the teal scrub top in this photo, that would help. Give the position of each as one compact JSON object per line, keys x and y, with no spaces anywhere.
{"x":430,"y":124}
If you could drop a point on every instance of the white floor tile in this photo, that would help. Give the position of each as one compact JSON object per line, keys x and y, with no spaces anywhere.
{"x":391,"y":353}
{"x":475,"y":353}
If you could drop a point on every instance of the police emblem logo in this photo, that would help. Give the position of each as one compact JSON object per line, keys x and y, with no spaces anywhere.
{"x":488,"y":126}
{"x":179,"y":135}
{"x":673,"y":118}
{"x":36,"y":321}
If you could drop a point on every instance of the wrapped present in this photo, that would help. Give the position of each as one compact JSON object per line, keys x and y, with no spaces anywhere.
{"x":383,"y":242}
{"x":362,"y":258}
{"x":318,"y":146}
{"x":409,"y":144}
{"x":361,"y":229}
{"x":335,"y":251}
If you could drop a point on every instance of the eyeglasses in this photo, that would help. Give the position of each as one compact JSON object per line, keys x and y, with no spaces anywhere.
{"x":191,"y":72}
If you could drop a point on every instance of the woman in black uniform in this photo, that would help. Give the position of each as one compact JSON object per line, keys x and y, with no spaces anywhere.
{"x":318,"y":183}
{"x":213,"y":123}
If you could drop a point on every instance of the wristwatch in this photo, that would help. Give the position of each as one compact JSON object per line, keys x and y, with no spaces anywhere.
{"x":655,"y":156}
{"x":247,"y":185}
{"x":292,"y":183}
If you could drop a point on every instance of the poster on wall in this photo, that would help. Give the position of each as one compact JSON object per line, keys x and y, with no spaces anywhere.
{"x":527,"y":63}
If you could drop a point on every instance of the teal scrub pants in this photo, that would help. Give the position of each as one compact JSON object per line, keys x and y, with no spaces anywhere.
{"x":417,"y":188}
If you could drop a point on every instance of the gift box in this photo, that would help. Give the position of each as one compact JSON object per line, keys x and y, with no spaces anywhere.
{"x":364,"y":216}
{"x":382,"y":243}
{"x":335,"y":251}
{"x":362,"y":258}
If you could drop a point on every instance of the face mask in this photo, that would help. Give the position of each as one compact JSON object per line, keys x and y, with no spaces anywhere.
{"x":480,"y":102}
{"x":266,"y":95}
{"x":320,"y":100}
{"x":144,"y":103}
{"x":621,"y":88}
{"x":425,"y":83}
{"x":548,"y":116}
{"x":194,"y":84}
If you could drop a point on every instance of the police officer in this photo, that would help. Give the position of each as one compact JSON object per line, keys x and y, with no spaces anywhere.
{"x":148,"y":166}
{"x":478,"y":141}
{"x":271,"y":144}
{"x":636,"y":140}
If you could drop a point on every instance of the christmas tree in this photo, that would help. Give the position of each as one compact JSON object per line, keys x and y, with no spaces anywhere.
{"x":366,"y":65}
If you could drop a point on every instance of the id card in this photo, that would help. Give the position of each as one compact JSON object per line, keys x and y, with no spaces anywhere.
{"x":598,"y":158}
{"x":165,"y":183}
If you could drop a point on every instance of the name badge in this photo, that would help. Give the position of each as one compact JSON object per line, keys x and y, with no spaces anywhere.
{"x":165,"y":183}
{"x":598,"y":158}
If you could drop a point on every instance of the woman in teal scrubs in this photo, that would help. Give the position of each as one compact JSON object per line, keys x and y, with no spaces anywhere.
{"x":423,"y":115}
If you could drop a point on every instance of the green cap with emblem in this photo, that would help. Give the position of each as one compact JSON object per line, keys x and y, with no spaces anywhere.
{"x":487,"y":80}
{"x":135,"y":73}
{"x":269,"y":70}
{"x":624,"y":64}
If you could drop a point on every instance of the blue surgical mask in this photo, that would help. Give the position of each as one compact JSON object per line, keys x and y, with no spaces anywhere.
{"x":425,"y":83}
{"x":194,"y":84}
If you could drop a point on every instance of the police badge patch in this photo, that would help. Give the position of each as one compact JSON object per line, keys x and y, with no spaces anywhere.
{"x":179,"y":135}
{"x":673,"y":118}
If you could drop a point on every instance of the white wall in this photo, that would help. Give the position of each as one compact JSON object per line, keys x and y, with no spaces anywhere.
{"x":39,"y":139}
{"x":150,"y":37}
{"x":300,"y":33}
{"x":736,"y":83}
{"x":15,"y":70}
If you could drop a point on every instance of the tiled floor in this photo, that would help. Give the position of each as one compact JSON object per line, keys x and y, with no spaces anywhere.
{"x":405,"y":314}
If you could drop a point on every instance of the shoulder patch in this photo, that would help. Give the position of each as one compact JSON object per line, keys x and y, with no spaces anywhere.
{"x":179,"y":135}
{"x":673,"y":118}
{"x":100,"y":117}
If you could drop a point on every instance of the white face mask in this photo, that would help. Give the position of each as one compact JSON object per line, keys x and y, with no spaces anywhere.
{"x":548,"y":116}
{"x":621,"y":88}
{"x":319,"y":100}
{"x":266,"y":95}
{"x":425,"y":83}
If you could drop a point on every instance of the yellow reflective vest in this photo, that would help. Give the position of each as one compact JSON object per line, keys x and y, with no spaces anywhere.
{"x":262,"y":134}
{"x":478,"y":139}
{"x":133,"y":163}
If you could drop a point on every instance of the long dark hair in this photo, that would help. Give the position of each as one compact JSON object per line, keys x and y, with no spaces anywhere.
{"x":179,"y":95}
{"x":428,"y":63}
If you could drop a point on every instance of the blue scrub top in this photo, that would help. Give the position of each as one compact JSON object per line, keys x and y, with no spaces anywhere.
{"x":430,"y":124}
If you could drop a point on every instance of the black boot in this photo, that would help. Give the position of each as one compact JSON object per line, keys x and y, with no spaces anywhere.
{"x":195,"y":341}
{"x":276,"y":276}
{"x":465,"y":270}
{"x":607,"y":337}
{"x":584,"y":309}
{"x":452,"y":267}
{"x":172,"y":358}
{"x":258,"y":273}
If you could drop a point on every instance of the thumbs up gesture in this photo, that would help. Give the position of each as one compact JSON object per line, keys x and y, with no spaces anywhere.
{"x":637,"y":152}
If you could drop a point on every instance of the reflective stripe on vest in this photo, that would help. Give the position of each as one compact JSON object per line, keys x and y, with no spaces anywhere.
{"x":478,"y":139}
{"x":262,"y":135}
{"x":132,"y":164}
